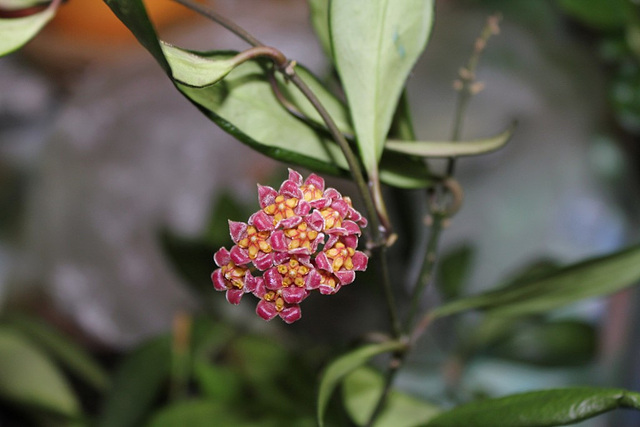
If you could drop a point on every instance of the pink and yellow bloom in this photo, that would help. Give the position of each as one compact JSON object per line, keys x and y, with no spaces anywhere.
{"x":303,"y":239}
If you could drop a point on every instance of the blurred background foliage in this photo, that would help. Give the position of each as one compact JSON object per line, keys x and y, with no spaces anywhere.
{"x":213,"y":365}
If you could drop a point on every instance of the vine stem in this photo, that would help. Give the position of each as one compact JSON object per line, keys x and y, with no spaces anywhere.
{"x":467,"y":87}
{"x":379,"y":230}
{"x":466,"y":84}
{"x":288,"y":69}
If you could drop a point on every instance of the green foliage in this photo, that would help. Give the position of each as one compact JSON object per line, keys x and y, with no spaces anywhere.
{"x":195,"y":70}
{"x":551,"y":343}
{"x":591,"y":278}
{"x":361,"y":390}
{"x":66,"y":352}
{"x":29,"y":379}
{"x":137,"y":384}
{"x":16,"y":32}
{"x":375,"y":45}
{"x":319,"y":11}
{"x":538,"y":408}
{"x":451,"y":148}
{"x":245,"y":105}
{"x":600,"y":14}
{"x":197,"y":413}
{"x":345,"y":364}
{"x":454,"y":270}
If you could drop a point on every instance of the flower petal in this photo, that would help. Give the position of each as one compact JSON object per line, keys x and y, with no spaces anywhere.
{"x":295,"y":177}
{"x":315,"y":180}
{"x":341,"y":207}
{"x":303,"y":208}
{"x":278,"y":241}
{"x":290,"y":222}
{"x":351,"y":227}
{"x":294,"y":294}
{"x":291,"y":314}
{"x":237,"y":230}
{"x":219,"y":282}
{"x":234,"y":295}
{"x":263,"y":261}
{"x":315,"y":221}
{"x":266,"y":310}
{"x":328,"y":290}
{"x":261,"y":221}
{"x":251,"y":282}
{"x":332,"y":194}
{"x":239,"y":256}
{"x":272,"y":279}
{"x":290,"y":189}
{"x":266,"y":195}
{"x":313,"y":280}
{"x":360,"y":261}
{"x":345,"y":276}
{"x":222,"y":257}
{"x":323,"y":262}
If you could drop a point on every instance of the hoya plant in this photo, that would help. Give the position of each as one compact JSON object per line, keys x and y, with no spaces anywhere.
{"x":304,"y":237}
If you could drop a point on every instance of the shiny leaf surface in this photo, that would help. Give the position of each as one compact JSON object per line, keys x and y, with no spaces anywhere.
{"x":451,"y":148}
{"x":29,"y":378}
{"x":591,"y":278}
{"x":538,"y":408}
{"x":342,"y":366}
{"x":16,"y":32}
{"x":361,"y":390}
{"x":375,"y":45}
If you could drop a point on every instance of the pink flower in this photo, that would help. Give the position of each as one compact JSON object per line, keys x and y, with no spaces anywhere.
{"x":303,"y":239}
{"x":230,"y":277}
{"x":342,"y":259}
{"x":273,"y":302}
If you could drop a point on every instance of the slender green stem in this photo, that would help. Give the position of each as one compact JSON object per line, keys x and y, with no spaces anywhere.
{"x":352,"y":160}
{"x":394,"y":366}
{"x":467,"y":85}
{"x":288,"y":69}
{"x":382,"y":260}
{"x":428,"y":265}
{"x":439,"y":215}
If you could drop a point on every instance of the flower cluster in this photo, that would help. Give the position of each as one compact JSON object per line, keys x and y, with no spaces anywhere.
{"x":303,"y":239}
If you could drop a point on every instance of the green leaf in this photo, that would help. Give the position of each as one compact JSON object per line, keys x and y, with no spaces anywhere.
{"x":539,"y":408}
{"x":29,"y":378}
{"x":319,"y":11}
{"x":137,"y":383}
{"x":454,"y":270}
{"x":600,"y":14}
{"x":361,"y":391}
{"x":558,"y":343}
{"x":451,"y":148}
{"x":345,"y":364}
{"x":73,"y":357}
{"x":243,"y":104}
{"x":195,"y":70}
{"x":591,"y":278}
{"x":375,"y":45}
{"x":196,"y":413}
{"x":218,"y":383}
{"x":15,"y":32}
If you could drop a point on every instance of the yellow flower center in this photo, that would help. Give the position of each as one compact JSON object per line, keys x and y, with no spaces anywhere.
{"x":255,"y":241}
